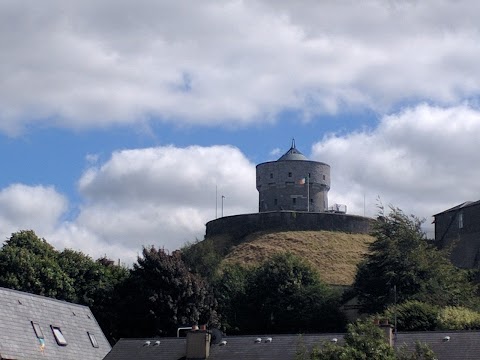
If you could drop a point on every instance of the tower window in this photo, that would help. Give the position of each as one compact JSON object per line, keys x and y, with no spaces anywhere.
{"x":294,"y":200}
{"x":311,"y":201}
{"x":271,"y":175}
{"x":323,"y":177}
{"x":275,"y":201}
{"x":289,"y":174}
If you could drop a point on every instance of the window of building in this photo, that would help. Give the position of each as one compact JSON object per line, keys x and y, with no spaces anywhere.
{"x":59,"y":338}
{"x":311,"y":201}
{"x":289,"y":174}
{"x":38,"y":330}
{"x":323,"y":177}
{"x":271,"y":175}
{"x":460,"y":221}
{"x":294,"y":200}
{"x":275,"y":201}
{"x":93,"y":339}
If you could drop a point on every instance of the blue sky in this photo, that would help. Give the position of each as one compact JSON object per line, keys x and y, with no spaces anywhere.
{"x":118,"y":120}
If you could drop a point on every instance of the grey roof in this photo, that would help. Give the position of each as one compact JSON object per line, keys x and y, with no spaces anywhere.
{"x":237,"y":347}
{"x":292,"y":154}
{"x":18,"y":339}
{"x":461,"y":345}
{"x":460,"y":206}
{"x":464,"y":345}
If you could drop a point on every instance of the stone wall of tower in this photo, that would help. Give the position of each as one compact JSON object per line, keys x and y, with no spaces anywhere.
{"x":278,"y":187}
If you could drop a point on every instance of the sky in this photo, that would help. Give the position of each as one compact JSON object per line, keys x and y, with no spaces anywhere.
{"x":123,"y":123}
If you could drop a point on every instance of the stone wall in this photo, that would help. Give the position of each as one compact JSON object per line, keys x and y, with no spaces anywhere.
{"x":239,"y":226}
{"x":278,"y":188}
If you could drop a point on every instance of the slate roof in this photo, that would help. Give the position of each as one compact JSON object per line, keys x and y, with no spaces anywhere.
{"x":462,"y":345}
{"x":292,"y":154}
{"x":237,"y":347}
{"x":18,"y":339}
{"x":460,"y":206}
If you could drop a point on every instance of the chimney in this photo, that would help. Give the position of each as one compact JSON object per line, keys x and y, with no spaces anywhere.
{"x":388,"y":331}
{"x":198,"y":344}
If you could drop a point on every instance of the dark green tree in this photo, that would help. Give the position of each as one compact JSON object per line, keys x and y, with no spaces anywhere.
{"x":230,"y":287}
{"x":286,"y":295}
{"x":162,"y":294}
{"x":28,"y":263}
{"x":202,"y":257}
{"x":400,"y":256}
{"x":414,"y":315}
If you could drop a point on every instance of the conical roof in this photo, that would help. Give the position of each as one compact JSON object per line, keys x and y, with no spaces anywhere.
{"x":293,"y":154}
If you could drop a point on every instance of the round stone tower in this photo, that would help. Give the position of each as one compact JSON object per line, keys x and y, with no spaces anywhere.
{"x":293,"y":183}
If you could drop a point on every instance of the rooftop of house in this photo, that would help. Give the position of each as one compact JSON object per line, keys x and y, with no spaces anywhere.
{"x":36,"y":327}
{"x":460,"y":206}
{"x":447,"y":345}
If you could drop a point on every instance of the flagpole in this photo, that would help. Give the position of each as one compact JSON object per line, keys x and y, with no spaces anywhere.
{"x":308,"y":193}
{"x":216,"y":201}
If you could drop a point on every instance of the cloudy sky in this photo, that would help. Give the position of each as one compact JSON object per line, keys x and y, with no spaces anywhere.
{"x":119,"y":119}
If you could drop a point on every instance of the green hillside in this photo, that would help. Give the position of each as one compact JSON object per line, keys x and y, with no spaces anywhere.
{"x":335,"y":255}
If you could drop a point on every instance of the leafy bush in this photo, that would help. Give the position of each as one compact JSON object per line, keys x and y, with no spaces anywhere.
{"x":414,"y":316}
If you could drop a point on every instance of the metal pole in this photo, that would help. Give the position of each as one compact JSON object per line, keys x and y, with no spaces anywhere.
{"x":363,"y":204}
{"x":223,"y":197}
{"x":308,"y":193}
{"x":395,"y":320}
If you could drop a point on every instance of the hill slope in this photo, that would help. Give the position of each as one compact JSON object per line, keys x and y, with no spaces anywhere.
{"x":335,"y":255}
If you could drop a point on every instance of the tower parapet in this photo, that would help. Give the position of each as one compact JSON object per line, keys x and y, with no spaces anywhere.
{"x":293,"y":183}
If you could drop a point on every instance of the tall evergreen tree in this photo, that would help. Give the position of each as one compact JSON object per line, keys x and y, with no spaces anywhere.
{"x":401,"y":258}
{"x":162,"y":294}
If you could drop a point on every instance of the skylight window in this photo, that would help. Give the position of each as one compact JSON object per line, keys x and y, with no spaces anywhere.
{"x":93,"y":339}
{"x":38,"y":330}
{"x":57,"y":332}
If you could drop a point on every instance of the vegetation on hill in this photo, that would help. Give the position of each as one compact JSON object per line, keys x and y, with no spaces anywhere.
{"x":334,"y":255}
{"x":283,"y":295}
{"x":403,"y":266}
{"x":270,"y":282}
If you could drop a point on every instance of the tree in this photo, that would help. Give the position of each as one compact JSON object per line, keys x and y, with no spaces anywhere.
{"x":401,"y":257}
{"x":95,"y":284}
{"x":28,"y":263}
{"x":285,"y":295}
{"x":162,"y":294}
{"x":230,"y":288}
{"x":363,"y":341}
{"x":202,"y":257}
{"x":414,"y":315}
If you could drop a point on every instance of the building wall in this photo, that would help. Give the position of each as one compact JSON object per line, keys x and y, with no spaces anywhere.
{"x":278,"y":188}
{"x":460,"y":230}
{"x":239,"y":226}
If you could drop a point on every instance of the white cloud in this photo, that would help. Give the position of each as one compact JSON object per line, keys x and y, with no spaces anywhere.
{"x":25,"y":207}
{"x":423,"y":160}
{"x":93,"y":64}
{"x":156,"y":196}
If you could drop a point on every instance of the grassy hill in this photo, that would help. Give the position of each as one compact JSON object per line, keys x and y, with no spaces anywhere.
{"x":335,"y":255}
